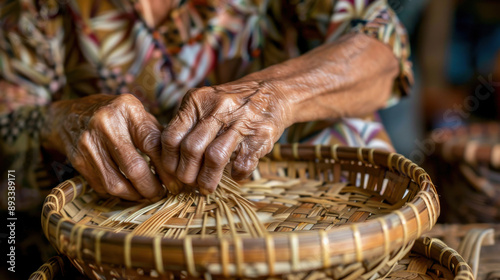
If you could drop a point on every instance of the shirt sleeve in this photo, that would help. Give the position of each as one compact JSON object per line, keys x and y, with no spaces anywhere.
{"x":31,"y":72}
{"x":372,"y":17}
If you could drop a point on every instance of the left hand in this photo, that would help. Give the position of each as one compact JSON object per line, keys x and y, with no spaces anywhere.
{"x":244,"y":118}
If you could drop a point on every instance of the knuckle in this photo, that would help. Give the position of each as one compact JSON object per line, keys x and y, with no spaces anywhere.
{"x":85,"y":141}
{"x":191,"y":94}
{"x":151,"y":145}
{"x":170,"y":140}
{"x":239,"y":167}
{"x":102,"y":115}
{"x":116,"y":187}
{"x":216,"y":155}
{"x":192,"y":148}
{"x":129,"y":103}
{"x":226,"y":101}
{"x":185,"y":178}
{"x":266,"y":132}
{"x":127,"y":98}
{"x":151,"y":141}
{"x":243,"y":168}
{"x":194,"y":96}
{"x":137,"y":169}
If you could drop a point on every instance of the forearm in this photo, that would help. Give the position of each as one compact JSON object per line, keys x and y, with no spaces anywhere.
{"x":52,"y":139}
{"x":350,"y":77}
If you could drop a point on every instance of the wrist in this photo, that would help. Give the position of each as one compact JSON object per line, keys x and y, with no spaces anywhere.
{"x":51,"y":137}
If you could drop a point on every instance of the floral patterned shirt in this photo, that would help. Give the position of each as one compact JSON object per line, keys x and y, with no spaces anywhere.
{"x":52,"y":50}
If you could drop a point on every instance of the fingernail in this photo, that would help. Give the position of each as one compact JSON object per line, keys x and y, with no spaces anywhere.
{"x":207,"y":190}
{"x":173,"y":187}
{"x":203,"y":191}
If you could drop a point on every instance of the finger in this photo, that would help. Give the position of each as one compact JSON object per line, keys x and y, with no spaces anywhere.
{"x":136,"y":169}
{"x":217,"y":156}
{"x":169,"y":181}
{"x":95,"y":183}
{"x":247,"y":159}
{"x":172,"y":137}
{"x":111,"y":179}
{"x":88,"y":172}
{"x":146,"y":136}
{"x":193,"y":148}
{"x":82,"y":161}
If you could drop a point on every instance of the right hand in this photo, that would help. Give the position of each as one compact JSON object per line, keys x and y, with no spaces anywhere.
{"x":100,"y":135}
{"x":243,"y":118}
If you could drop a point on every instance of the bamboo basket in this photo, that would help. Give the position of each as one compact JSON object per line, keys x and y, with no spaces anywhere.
{"x":308,"y":211}
{"x":431,"y":258}
{"x":52,"y":269}
{"x":468,"y":239}
{"x":470,"y":156}
{"x":57,"y":268}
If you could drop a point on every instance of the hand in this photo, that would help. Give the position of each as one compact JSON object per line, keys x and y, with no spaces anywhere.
{"x":351,"y":77}
{"x":100,"y":135}
{"x":244,"y":118}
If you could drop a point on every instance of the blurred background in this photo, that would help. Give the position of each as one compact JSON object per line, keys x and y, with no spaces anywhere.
{"x":456,"y":57}
{"x":455,"y":48}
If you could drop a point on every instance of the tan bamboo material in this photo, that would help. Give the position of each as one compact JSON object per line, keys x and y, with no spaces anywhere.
{"x":468,"y":239}
{"x":470,"y":158}
{"x":474,"y":144}
{"x":52,"y":269}
{"x":431,"y":258}
{"x":57,"y":268}
{"x":346,"y":212}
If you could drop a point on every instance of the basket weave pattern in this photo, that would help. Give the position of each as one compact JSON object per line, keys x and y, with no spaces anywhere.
{"x":319,"y":210}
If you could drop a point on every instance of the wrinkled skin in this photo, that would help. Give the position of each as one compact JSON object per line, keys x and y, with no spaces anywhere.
{"x":240,"y":120}
{"x":99,"y":135}
{"x":244,"y":117}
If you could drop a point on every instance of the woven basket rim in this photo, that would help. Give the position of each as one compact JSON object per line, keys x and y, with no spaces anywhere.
{"x":428,"y":247}
{"x":438,"y":251}
{"x":467,"y":144}
{"x":410,"y":221}
{"x":431,"y":248}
